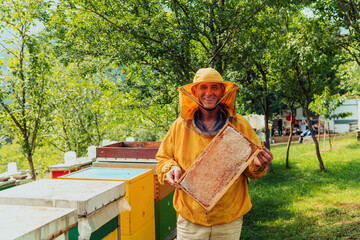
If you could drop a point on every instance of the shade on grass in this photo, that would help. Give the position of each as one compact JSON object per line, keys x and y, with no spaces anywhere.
{"x":304,"y":203}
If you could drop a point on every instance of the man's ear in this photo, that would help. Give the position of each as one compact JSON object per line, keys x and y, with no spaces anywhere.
{"x":193,"y":90}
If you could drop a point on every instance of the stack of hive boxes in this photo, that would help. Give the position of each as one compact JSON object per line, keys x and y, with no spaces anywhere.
{"x":139,"y":223}
{"x":141,"y":155}
{"x":96,"y":204}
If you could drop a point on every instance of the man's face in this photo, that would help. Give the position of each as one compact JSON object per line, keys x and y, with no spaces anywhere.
{"x":209,"y":94}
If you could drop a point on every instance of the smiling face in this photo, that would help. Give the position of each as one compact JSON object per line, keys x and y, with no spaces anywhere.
{"x":209,"y":94}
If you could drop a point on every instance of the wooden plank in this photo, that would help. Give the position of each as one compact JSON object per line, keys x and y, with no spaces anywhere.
{"x":144,"y":150}
{"x":144,"y":153}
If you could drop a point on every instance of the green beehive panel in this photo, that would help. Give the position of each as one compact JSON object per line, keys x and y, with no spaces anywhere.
{"x":7,"y":184}
{"x":102,"y":232}
{"x":165,"y":217}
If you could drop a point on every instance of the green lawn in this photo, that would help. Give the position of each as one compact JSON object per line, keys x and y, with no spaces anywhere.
{"x":304,"y":203}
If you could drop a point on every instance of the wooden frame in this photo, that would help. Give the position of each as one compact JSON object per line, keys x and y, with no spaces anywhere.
{"x":224,"y":176}
{"x":130,"y":150}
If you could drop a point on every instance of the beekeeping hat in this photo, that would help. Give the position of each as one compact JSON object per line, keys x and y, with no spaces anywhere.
{"x":189,"y":101}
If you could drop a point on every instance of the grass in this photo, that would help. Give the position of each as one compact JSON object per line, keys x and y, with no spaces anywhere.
{"x":303,"y":202}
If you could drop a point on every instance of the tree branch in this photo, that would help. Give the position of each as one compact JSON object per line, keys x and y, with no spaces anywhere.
{"x":37,"y":120}
{"x":11,"y":115}
{"x":233,"y":31}
{"x":8,"y":50}
{"x":117,"y":26}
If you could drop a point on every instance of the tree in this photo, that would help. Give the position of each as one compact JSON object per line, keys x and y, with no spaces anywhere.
{"x":159,"y":44}
{"x":251,"y":67}
{"x":326,"y":104}
{"x":92,"y":106}
{"x":23,"y":95}
{"x":254,"y":56}
{"x":84,"y":107}
{"x":291,"y":105}
{"x":343,"y":14}
{"x":304,"y":65}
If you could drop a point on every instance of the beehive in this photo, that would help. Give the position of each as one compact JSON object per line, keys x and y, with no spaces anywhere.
{"x":97,"y":202}
{"x":139,"y":194}
{"x":218,"y":166}
{"x":141,"y":155}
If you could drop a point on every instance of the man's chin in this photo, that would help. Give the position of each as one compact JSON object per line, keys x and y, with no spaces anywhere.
{"x":210,"y":107}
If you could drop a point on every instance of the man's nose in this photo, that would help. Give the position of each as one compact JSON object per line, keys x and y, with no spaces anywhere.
{"x":209,"y":91}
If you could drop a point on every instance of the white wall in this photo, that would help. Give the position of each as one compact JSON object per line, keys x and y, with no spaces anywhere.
{"x":342,"y":125}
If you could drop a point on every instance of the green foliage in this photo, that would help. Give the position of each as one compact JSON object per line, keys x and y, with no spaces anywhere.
{"x":44,"y":157}
{"x":253,"y":56}
{"x":84,"y":107}
{"x":95,"y":104}
{"x":23,"y":94}
{"x":349,"y":73}
{"x":307,"y":63}
{"x":326,"y":104}
{"x":11,"y":153}
{"x":345,"y":15}
{"x":140,"y":133}
{"x":304,"y":60}
{"x":158,"y":44}
{"x":111,"y":69}
{"x":304,"y":203}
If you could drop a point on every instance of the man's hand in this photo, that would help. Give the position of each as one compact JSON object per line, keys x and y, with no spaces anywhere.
{"x":173,"y":175}
{"x":264,"y":158}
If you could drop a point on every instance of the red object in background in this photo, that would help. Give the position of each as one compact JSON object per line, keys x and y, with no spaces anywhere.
{"x":138,"y":150}
{"x":288,"y":119}
{"x":59,"y":170}
{"x":56,"y":174}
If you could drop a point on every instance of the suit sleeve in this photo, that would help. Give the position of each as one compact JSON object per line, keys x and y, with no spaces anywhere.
{"x":252,"y":171}
{"x":165,"y":155}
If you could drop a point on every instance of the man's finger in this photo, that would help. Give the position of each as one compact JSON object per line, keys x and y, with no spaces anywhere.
{"x":170,"y":178}
{"x":262,"y":157}
{"x":266,"y":154}
{"x":177,"y":175}
{"x":257,"y":161}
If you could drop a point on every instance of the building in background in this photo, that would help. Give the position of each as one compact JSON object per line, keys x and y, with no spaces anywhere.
{"x":337,"y":125}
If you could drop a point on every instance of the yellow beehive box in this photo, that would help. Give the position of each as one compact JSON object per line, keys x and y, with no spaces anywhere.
{"x":111,"y":236}
{"x":139,"y":194}
{"x":146,"y":232}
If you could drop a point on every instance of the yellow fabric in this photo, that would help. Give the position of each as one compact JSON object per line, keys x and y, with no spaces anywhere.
{"x":181,"y":146}
{"x":188,"y":105}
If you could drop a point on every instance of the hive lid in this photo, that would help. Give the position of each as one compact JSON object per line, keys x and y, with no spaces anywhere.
{"x":218,"y":166}
{"x":111,"y":164}
{"x":85,"y":196}
{"x":98,"y":173}
{"x":25,"y":222}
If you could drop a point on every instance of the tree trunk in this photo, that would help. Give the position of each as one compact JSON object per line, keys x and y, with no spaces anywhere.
{"x":329,"y":136}
{"x":267,"y":135}
{"x":321,"y":164}
{"x":324,"y":133}
{"x":265,"y":107}
{"x":287,"y":166}
{"x":319,"y":128}
{"x":31,"y":166}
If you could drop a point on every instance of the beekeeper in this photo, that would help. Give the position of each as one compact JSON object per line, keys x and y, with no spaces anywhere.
{"x":207,"y":105}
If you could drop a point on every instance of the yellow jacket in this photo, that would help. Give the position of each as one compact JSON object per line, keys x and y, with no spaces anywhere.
{"x":181,"y":146}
